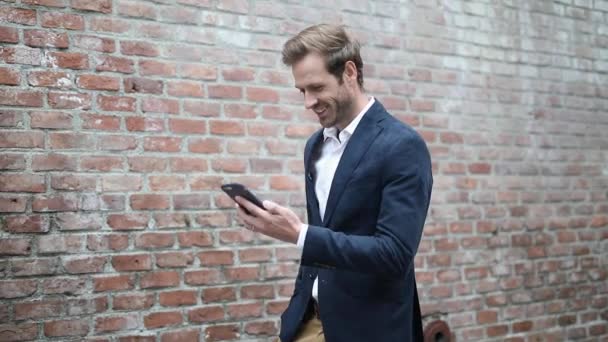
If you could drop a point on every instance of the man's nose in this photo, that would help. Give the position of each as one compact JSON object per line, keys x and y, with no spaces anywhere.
{"x":309,"y":101}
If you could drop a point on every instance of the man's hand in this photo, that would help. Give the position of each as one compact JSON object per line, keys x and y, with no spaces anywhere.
{"x":276,"y":221}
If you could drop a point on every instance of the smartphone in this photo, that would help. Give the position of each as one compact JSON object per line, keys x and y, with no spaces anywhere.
{"x":236,"y":189}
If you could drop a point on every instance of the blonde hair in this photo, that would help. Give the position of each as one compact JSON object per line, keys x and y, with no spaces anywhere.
{"x":330,"y":41}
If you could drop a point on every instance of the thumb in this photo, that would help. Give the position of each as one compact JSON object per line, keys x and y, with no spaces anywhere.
{"x":271,"y":207}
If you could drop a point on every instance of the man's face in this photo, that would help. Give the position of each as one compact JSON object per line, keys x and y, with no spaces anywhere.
{"x":330,"y":99}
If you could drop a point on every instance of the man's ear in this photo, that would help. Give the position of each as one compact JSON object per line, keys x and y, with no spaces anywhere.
{"x":350,"y":72}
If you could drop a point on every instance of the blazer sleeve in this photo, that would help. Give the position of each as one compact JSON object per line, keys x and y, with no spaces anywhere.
{"x":407,"y":183}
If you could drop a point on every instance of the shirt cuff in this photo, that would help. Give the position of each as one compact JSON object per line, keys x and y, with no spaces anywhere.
{"x":302,"y":236}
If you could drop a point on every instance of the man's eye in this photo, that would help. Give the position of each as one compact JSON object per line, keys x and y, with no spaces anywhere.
{"x":301,"y":91}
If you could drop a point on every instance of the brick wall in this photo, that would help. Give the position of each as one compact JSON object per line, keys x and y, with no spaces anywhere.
{"x":120,"y":119}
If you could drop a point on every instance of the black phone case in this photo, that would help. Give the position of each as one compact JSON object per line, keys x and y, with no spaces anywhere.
{"x":236,"y":189}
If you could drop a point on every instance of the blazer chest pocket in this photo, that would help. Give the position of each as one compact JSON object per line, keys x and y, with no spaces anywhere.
{"x":360,"y":285}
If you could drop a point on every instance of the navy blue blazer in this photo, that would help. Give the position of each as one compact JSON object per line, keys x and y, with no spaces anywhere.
{"x":363,"y":249}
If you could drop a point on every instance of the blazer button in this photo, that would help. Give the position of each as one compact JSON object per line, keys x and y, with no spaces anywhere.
{"x":310,"y":275}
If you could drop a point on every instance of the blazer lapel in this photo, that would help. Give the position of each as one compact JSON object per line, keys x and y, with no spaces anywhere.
{"x":310,"y":155}
{"x":365,"y":133}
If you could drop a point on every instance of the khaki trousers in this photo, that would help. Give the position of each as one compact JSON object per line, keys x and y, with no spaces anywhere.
{"x":311,"y":331}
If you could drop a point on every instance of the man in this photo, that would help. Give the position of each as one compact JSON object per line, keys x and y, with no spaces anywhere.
{"x":368,"y":186}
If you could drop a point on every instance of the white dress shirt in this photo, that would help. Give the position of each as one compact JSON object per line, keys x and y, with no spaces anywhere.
{"x":325,"y":168}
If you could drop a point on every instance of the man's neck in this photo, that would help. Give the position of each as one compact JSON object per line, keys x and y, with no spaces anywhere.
{"x":359,"y":103}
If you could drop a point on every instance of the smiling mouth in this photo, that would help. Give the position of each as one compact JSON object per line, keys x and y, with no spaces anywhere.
{"x":320,"y":111}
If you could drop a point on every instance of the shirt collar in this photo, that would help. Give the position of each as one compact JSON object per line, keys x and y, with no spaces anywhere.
{"x":348,"y":131}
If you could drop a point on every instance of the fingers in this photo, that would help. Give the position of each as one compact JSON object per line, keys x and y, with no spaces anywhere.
{"x":253,"y":209}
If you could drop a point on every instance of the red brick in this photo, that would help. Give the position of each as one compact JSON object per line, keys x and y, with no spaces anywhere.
{"x":165,"y":183}
{"x":21,"y":139}
{"x":285,"y":183}
{"x":21,"y":55}
{"x":191,"y":201}
{"x":138,"y":48}
{"x":141,"y":124}
{"x":17,"y":288}
{"x":226,"y":128}
{"x":11,"y":118}
{"x":51,"y":120}
{"x":68,"y":60}
{"x":26,"y":224}
{"x":255,"y":255}
{"x":97,"y":82}
{"x":38,"y":309}
{"x":202,"y":277}
{"x":128,"y":221}
{"x":89,"y":42}
{"x":261,"y":328}
{"x":9,"y":76}
{"x":12,"y":182}
{"x":22,"y":98}
{"x":162,"y":319}
{"x":219,"y":294}
{"x":80,"y":265}
{"x":238,"y":74}
{"x":292,"y":131}
{"x":213,"y":219}
{"x":159,"y":279}
{"x":55,"y":243}
{"x":240,"y":311}
{"x":188,"y":165}
{"x":53,"y":162}
{"x":157,"y":105}
{"x":143,"y":85}
{"x":101,"y":163}
{"x":174,"y":259}
{"x":221,"y":332}
{"x":156,"y":68}
{"x":116,"y":103}
{"x":236,"y":274}
{"x":117,"y":142}
{"x":62,"y":20}
{"x":154,"y":240}
{"x":201,"y":108}
{"x":225,"y":92}
{"x":16,"y":15}
{"x":172,"y":220}
{"x":50,"y":79}
{"x":205,"y":182}
{"x":103,"y":6}
{"x":9,"y":34}
{"x":18,"y":332}
{"x":62,"y":100}
{"x":136,"y":338}
{"x":113,"y":283}
{"x":121,"y":183}
{"x":116,"y":323}
{"x":255,"y":94}
{"x":115,"y":64}
{"x":185,"y":89}
{"x":198,"y":72}
{"x":149,"y":202}
{"x":192,"y":335}
{"x":216,"y":258}
{"x":105,"y":24}
{"x":147,"y":164}
{"x":67,"y":286}
{"x":162,"y":144}
{"x":100,"y":122}
{"x":206,"y":314}
{"x":257,"y":292}
{"x":79,"y":327}
{"x":133,"y":301}
{"x":35,"y":267}
{"x":178,"y":298}
{"x":44,"y":38}
{"x":135,"y":262}
{"x":205,"y":145}
{"x":109,"y":242}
